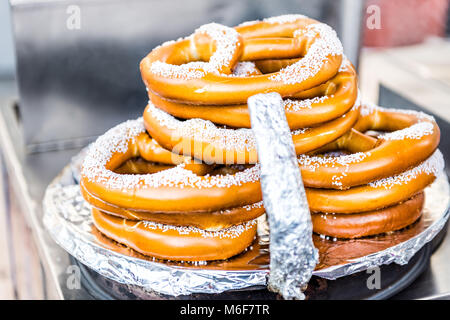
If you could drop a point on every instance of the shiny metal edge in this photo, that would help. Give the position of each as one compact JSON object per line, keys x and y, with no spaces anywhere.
{"x":28,"y":206}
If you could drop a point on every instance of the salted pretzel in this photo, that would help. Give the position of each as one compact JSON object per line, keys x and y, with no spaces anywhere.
{"x":176,"y":243}
{"x":207,"y":78}
{"x":361,"y":192}
{"x":350,"y":226}
{"x":377,"y":194}
{"x":413,"y":137}
{"x":178,"y":70}
{"x":318,"y":105}
{"x":205,"y":141}
{"x":184,"y":188}
{"x":141,"y":210}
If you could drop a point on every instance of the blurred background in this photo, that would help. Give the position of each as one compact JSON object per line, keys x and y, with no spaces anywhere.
{"x":69,"y":71}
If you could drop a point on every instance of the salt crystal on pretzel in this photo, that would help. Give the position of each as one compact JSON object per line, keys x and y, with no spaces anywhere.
{"x":117,"y":139}
{"x":205,"y":82}
{"x":326,"y":44}
{"x":434,"y":165}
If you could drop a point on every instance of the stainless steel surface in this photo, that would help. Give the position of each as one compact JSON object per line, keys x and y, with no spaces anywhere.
{"x":29,"y":175}
{"x":7,"y":59}
{"x":90,"y":75}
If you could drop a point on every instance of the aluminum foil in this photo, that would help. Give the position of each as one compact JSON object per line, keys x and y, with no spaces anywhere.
{"x":293,"y":256}
{"x":68,"y":220}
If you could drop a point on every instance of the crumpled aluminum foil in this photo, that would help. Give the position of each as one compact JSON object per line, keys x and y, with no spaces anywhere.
{"x":67,"y":218}
{"x":293,"y":256}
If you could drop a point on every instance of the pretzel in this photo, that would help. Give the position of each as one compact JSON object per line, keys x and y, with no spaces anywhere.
{"x":325,"y":103}
{"x":192,"y":228}
{"x":351,"y":226}
{"x":211,"y":221}
{"x":178,"y":71}
{"x":377,"y":194}
{"x":203,"y":140}
{"x":413,"y":139}
{"x":176,"y":243}
{"x":183,"y":188}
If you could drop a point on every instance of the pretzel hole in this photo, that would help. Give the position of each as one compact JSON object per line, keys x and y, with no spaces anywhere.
{"x":139,"y":165}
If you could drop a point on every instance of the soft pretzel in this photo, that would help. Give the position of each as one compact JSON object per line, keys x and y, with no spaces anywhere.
{"x":377,"y":194}
{"x":325,"y":103}
{"x":207,"y":78}
{"x":203,"y":140}
{"x":177,"y":71}
{"x":211,"y":221}
{"x":176,"y":243}
{"x":199,"y":229}
{"x":350,"y":226}
{"x":413,"y":139}
{"x":183,"y":188}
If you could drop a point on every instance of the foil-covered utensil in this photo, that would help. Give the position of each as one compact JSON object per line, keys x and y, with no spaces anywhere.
{"x":293,"y":256}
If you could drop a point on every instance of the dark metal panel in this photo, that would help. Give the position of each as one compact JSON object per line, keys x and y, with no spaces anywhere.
{"x":76,"y":83}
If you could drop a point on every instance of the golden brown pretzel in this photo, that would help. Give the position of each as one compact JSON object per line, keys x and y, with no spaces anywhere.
{"x":183,"y":188}
{"x":176,"y":70}
{"x":413,"y":139}
{"x":176,"y":243}
{"x":203,"y":140}
{"x":335,"y":98}
{"x":350,"y":226}
{"x":216,"y":220}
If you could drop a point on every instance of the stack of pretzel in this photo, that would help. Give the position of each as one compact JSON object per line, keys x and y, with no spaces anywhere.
{"x":182,"y":182}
